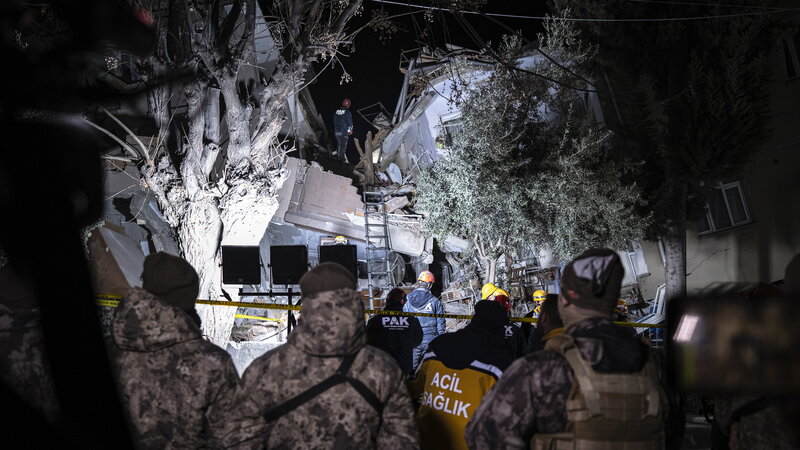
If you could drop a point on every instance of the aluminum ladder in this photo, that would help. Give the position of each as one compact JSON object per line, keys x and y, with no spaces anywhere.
{"x":376,"y":235}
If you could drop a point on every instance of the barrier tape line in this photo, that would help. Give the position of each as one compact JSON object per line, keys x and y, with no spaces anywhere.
{"x":113,"y":300}
{"x":245,"y":316}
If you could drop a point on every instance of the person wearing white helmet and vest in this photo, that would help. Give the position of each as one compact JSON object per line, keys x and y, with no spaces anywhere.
{"x":420,"y":300}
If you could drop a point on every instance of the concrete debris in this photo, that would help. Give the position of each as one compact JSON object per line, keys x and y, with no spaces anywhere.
{"x":395,"y":203}
{"x":394,"y":173}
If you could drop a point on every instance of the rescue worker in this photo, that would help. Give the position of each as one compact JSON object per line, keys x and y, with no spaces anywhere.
{"x":549,"y":324}
{"x":325,"y":388}
{"x":532,"y":332}
{"x":515,"y":339}
{"x":177,"y":389}
{"x":605,"y":374}
{"x":420,"y":300}
{"x":397,"y":335}
{"x":24,"y":366}
{"x":487,"y":291}
{"x":342,"y":129}
{"x":455,"y":374}
{"x":538,"y":297}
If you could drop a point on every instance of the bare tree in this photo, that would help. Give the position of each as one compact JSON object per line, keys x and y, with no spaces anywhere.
{"x":213,"y":192}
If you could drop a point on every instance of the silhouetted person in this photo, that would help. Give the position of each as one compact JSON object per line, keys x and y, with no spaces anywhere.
{"x":549,"y":324}
{"x":23,"y":363}
{"x":397,"y":335}
{"x":177,"y":388}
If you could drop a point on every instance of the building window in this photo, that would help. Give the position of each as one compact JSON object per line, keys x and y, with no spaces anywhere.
{"x":791,"y":55}
{"x":448,"y":130}
{"x":726,"y":208}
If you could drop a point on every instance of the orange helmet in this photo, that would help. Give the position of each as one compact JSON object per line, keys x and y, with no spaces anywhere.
{"x":426,"y":276}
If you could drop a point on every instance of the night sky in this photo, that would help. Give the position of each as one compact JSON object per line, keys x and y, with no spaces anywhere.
{"x":374,"y":64}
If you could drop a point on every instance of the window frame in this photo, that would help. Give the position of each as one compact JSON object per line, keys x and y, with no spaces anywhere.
{"x":713,"y":228}
{"x":791,"y":54}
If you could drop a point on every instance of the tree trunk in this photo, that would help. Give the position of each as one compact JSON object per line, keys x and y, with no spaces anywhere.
{"x":675,"y":246}
{"x":491,"y":269}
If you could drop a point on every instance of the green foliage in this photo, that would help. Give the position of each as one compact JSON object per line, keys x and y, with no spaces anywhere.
{"x":528,"y":169}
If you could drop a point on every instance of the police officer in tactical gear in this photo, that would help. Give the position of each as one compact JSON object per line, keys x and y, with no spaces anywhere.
{"x":606,"y":376}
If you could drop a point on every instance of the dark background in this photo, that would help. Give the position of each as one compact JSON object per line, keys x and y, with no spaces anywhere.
{"x":374,"y":64}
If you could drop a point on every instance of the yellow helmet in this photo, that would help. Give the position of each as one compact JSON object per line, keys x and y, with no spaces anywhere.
{"x":539,"y":296}
{"x":487,"y":290}
{"x":340,"y":240}
{"x":622,"y":306}
{"x":501,"y":291}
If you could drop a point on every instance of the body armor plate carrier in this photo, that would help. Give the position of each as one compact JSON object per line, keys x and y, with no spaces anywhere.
{"x":621,"y":411}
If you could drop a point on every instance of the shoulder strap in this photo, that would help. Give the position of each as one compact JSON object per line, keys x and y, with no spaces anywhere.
{"x":565,"y":345}
{"x":339,"y":377}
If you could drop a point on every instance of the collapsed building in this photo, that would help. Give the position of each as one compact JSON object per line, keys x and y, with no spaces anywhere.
{"x":373,"y":208}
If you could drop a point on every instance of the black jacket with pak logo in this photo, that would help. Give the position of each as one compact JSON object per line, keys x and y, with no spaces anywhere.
{"x":397,"y":335}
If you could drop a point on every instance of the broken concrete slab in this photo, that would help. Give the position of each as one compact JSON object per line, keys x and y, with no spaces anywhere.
{"x":395,"y":203}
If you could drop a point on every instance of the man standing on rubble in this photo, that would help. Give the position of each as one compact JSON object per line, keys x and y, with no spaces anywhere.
{"x":420,"y":300}
{"x":606,"y":376}
{"x":325,"y":388}
{"x":342,"y":129}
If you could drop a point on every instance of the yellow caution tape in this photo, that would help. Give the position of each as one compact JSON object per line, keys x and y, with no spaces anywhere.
{"x":245,"y":316}
{"x":112,"y":301}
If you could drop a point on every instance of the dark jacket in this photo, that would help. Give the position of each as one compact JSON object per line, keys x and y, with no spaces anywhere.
{"x":331,"y":327}
{"x":396,"y":335}
{"x":455,"y":374}
{"x":527,"y":328}
{"x":531,"y":396}
{"x":177,"y":388}
{"x":342,"y":121}
{"x":422,"y":301}
{"x":515,"y":341}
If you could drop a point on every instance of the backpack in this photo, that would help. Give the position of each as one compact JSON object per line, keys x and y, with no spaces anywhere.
{"x":607,"y":410}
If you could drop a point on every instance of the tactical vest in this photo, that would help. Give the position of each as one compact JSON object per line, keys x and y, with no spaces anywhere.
{"x":607,"y":411}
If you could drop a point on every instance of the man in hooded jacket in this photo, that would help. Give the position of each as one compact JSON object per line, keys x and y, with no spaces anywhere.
{"x":531,"y":398}
{"x":456,"y":372}
{"x":421,"y":300}
{"x":176,"y":387}
{"x":325,"y":388}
